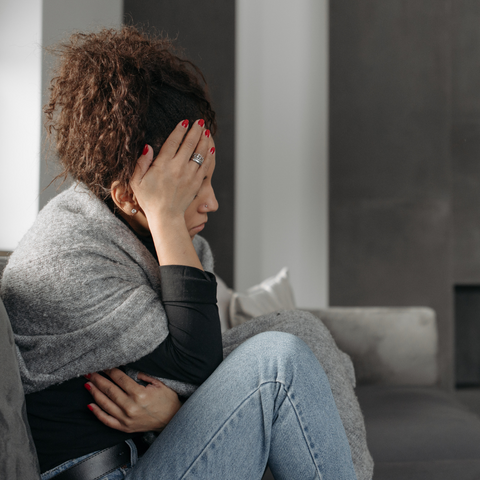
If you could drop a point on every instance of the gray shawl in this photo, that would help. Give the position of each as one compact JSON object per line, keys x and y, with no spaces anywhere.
{"x":83,"y":295}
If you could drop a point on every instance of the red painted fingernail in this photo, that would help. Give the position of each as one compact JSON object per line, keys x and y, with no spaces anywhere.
{"x":90,"y":408}
{"x":201,"y":123}
{"x":88,"y":376}
{"x":87,"y":386}
{"x":212,"y":150}
{"x":207,"y":133}
{"x":185,"y":124}
{"x":145,"y":150}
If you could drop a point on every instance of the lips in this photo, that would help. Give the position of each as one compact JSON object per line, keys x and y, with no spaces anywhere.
{"x":198,"y":228}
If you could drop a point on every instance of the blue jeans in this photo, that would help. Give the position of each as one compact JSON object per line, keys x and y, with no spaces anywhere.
{"x":269,"y":401}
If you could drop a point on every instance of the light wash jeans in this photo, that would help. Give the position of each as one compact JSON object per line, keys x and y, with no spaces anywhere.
{"x":269,"y":401}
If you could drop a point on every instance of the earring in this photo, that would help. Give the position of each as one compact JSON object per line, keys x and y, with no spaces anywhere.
{"x":206,"y":206}
{"x":133,"y":211}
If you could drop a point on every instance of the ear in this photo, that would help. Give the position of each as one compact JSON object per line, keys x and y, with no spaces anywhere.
{"x":124,"y":198}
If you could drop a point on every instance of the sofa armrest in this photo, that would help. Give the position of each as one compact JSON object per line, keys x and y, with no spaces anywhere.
{"x":18,"y":457}
{"x":396,"y":346}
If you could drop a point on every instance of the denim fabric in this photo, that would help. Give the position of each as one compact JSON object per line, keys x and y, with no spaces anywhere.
{"x":118,"y":474}
{"x":269,"y":401}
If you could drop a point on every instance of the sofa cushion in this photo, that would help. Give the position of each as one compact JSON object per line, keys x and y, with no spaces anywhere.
{"x":415,"y":430}
{"x":394,"y":346}
{"x":18,"y":458}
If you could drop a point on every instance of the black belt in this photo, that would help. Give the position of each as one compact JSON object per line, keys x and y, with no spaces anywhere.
{"x":99,"y":464}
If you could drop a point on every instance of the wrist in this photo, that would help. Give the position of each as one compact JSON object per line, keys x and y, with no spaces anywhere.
{"x":173,"y":243}
{"x":159,"y":221}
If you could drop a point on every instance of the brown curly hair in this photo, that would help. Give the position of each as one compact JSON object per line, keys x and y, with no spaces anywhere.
{"x":115,"y":91}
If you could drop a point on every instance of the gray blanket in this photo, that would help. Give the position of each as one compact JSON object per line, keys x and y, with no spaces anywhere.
{"x":83,"y":295}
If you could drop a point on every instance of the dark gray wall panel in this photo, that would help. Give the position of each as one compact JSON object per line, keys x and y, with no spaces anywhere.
{"x":207,"y":33}
{"x":466,"y":140}
{"x":467,"y":335}
{"x":384,"y":243}
{"x":390,"y":166}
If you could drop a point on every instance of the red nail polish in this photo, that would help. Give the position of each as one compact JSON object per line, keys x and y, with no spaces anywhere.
{"x":87,"y":386}
{"x":207,"y":133}
{"x":201,"y":123}
{"x":90,"y":408}
{"x":185,"y":124}
{"x":88,"y":376}
{"x":212,"y":150}
{"x":145,"y":150}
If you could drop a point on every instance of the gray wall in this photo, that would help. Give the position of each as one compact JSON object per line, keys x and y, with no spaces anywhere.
{"x":466,"y":140}
{"x":206,"y":30}
{"x":466,"y":187}
{"x":391,"y":227}
{"x":60,"y":18}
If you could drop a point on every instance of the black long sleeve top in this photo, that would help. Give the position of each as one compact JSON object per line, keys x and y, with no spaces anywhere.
{"x":62,"y":426}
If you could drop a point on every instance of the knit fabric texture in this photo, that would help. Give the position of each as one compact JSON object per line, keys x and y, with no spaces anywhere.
{"x":83,"y":295}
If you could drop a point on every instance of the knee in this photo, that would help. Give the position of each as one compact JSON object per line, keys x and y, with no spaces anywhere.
{"x":279,"y":345}
{"x":274,"y":356}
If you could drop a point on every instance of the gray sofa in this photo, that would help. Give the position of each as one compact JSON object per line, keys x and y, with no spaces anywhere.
{"x":415,"y":430}
{"x":18,"y":458}
{"x":420,"y":433}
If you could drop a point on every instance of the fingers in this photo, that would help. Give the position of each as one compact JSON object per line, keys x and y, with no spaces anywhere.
{"x":145,"y":408}
{"x":148,"y":379}
{"x":196,"y":141}
{"x":168,"y":183}
{"x":108,"y":396}
{"x":107,"y":419}
{"x":174,"y":140}
{"x":143,"y":164}
{"x":127,"y":384}
{"x":208,"y":159}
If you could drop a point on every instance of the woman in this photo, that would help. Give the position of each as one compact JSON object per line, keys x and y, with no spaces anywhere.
{"x":113,"y":274}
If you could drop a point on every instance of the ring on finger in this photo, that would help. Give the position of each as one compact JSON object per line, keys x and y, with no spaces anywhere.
{"x":197,"y":158}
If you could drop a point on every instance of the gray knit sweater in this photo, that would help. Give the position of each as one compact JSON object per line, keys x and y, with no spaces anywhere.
{"x":83,"y":295}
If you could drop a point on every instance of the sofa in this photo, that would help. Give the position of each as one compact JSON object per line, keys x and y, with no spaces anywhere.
{"x":414,"y":429}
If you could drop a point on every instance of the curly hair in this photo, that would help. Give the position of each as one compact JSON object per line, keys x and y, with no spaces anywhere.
{"x":114,"y":91}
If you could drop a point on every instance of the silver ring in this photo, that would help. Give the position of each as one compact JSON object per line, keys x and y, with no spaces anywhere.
{"x":197,"y":158}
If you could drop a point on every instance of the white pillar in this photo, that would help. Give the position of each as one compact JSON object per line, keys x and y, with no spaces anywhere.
{"x":25,"y":26}
{"x":282,"y":145}
{"x":25,"y":71}
{"x":20,"y":100}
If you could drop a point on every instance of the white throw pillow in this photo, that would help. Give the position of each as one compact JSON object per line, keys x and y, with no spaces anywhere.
{"x":274,"y":293}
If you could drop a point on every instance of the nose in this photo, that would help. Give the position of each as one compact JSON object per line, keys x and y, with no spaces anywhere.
{"x":209,"y":202}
